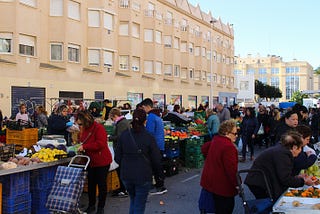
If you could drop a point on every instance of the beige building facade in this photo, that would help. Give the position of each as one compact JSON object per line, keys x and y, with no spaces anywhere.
{"x":272,"y":70}
{"x":117,"y":49}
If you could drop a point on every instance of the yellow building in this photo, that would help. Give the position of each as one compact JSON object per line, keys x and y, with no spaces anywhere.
{"x":272,"y":70}
{"x":116,"y":49}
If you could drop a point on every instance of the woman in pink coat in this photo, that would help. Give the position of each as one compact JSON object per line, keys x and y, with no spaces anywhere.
{"x":221,"y":166}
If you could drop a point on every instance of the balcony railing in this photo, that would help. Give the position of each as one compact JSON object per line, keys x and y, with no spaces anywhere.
{"x":168,"y":21}
{"x":124,"y":3}
{"x":136,"y":6}
{"x":158,"y":15}
{"x":184,"y":28}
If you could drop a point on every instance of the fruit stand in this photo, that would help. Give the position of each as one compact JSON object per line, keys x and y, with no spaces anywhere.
{"x":302,"y":200}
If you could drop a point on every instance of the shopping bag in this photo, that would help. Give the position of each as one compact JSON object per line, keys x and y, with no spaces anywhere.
{"x":260,"y":206}
{"x":240,"y":144}
{"x":113,"y":164}
{"x":206,"y":202}
{"x":261,"y":130}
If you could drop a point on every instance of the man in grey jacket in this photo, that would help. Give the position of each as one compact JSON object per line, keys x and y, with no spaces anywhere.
{"x":223,"y":113}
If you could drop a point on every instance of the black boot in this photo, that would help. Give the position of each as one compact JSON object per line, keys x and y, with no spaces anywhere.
{"x":100,"y":210}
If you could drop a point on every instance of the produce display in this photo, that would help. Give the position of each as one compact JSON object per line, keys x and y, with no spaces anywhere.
{"x":310,"y":192}
{"x":312,"y":170}
{"x":48,"y":155}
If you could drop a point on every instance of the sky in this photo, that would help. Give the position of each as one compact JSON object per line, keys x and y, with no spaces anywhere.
{"x":289,"y":29}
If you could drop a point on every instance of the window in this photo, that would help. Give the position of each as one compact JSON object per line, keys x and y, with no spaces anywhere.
{"x":123,"y":62}
{"x":250,"y":71}
{"x":191,"y":48}
{"x":5,"y":42}
{"x":148,"y":35}
{"x":197,"y":75}
{"x":274,"y":70}
{"x":203,"y":75}
{"x":262,"y":71}
{"x":176,"y":42}
{"x":124,"y":29}
{"x":197,"y":51}
{"x":203,"y":52}
{"x":292,"y":70}
{"x":148,"y":67}
{"x":183,"y":74}
{"x":158,"y":68}
{"x":93,"y":57}
{"x":108,"y":59}
{"x":74,"y":10}
{"x":167,"y":41}
{"x":93,"y":18}
{"x":183,"y":46}
{"x":135,"y":30}
{"x":108,"y":21}
{"x":158,"y":37}
{"x":177,"y":70}
{"x":237,"y":72}
{"x":135,"y":63}
{"x":31,"y":3}
{"x":275,"y":82}
{"x":191,"y":73}
{"x":56,"y":7}
{"x":219,"y":58}
{"x":56,"y":52}
{"x":263,"y":80}
{"x":27,"y":45}
{"x":208,"y":54}
{"x":74,"y":53}
{"x":292,"y":85}
{"x":168,"y":70}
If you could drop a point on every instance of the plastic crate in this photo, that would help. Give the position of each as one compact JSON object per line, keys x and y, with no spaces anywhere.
{"x":17,"y":204}
{"x":38,"y":202}
{"x":6,"y":152}
{"x":15,"y":184}
{"x":170,"y":167}
{"x":172,"y":153}
{"x":194,"y":163}
{"x":109,"y":129}
{"x":42,"y":178}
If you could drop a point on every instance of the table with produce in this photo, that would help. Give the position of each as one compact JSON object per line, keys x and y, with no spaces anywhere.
{"x":305,"y":199}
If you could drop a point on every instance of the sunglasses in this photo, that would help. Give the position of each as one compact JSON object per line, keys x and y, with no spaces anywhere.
{"x":234,"y":133}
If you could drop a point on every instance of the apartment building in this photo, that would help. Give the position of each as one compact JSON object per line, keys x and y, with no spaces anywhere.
{"x":272,"y":70}
{"x":117,"y":49}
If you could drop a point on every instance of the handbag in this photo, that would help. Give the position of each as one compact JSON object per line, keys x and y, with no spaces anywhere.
{"x":261,"y":130}
{"x":206,"y":202}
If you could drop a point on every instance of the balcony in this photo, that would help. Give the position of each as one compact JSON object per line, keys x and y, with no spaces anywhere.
{"x":149,"y":13}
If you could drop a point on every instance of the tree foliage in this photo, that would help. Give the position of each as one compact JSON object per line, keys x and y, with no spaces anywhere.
{"x":297,"y":97}
{"x":266,"y":91}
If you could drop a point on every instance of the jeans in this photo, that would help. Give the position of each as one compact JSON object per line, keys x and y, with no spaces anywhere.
{"x":138,"y":196}
{"x":97,"y":176}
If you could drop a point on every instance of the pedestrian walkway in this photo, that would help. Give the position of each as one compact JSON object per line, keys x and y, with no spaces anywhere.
{"x":182,"y":196}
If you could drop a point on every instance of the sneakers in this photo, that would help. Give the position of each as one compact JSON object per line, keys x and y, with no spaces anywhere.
{"x":120,"y":194}
{"x":158,"y":191}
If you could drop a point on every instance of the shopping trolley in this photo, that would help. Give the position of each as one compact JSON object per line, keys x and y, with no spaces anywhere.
{"x":67,"y":186}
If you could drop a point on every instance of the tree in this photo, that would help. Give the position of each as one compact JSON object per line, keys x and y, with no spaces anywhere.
{"x":297,"y":97}
{"x":317,"y":71}
{"x":266,"y":91}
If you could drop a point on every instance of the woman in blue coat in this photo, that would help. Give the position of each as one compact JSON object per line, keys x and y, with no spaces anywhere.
{"x":248,"y":128}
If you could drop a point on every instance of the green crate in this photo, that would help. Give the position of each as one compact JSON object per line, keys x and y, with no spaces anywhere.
{"x":194,"y":164}
{"x":109,"y":129}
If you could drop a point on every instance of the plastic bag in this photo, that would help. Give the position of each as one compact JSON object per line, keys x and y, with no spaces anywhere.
{"x":240,"y":144}
{"x":261,"y":130}
{"x":114,"y":164}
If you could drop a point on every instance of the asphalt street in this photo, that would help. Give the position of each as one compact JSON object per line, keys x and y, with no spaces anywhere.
{"x":181,"y":198}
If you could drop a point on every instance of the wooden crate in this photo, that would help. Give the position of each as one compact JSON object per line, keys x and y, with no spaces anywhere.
{"x":25,"y":138}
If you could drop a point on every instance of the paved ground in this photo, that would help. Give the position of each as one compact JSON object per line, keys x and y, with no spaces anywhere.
{"x":181,"y":198}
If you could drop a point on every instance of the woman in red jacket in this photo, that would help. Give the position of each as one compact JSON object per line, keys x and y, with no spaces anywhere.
{"x":221,"y":166}
{"x":94,"y":144}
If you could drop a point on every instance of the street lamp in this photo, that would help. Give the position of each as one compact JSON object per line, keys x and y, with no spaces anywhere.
{"x":211,"y":65}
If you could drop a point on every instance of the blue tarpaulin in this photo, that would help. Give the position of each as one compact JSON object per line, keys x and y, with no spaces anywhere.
{"x":286,"y":104}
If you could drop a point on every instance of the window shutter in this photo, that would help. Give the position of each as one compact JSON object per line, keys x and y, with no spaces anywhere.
{"x":29,"y":2}
{"x":108,"y":21}
{"x":93,"y":18}
{"x":27,"y":40}
{"x":74,"y":10}
{"x":93,"y":57}
{"x":56,"y":7}
{"x":108,"y":58}
{"x":124,"y":29}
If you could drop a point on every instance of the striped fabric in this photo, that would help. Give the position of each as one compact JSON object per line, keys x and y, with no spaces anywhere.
{"x":66,"y":190}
